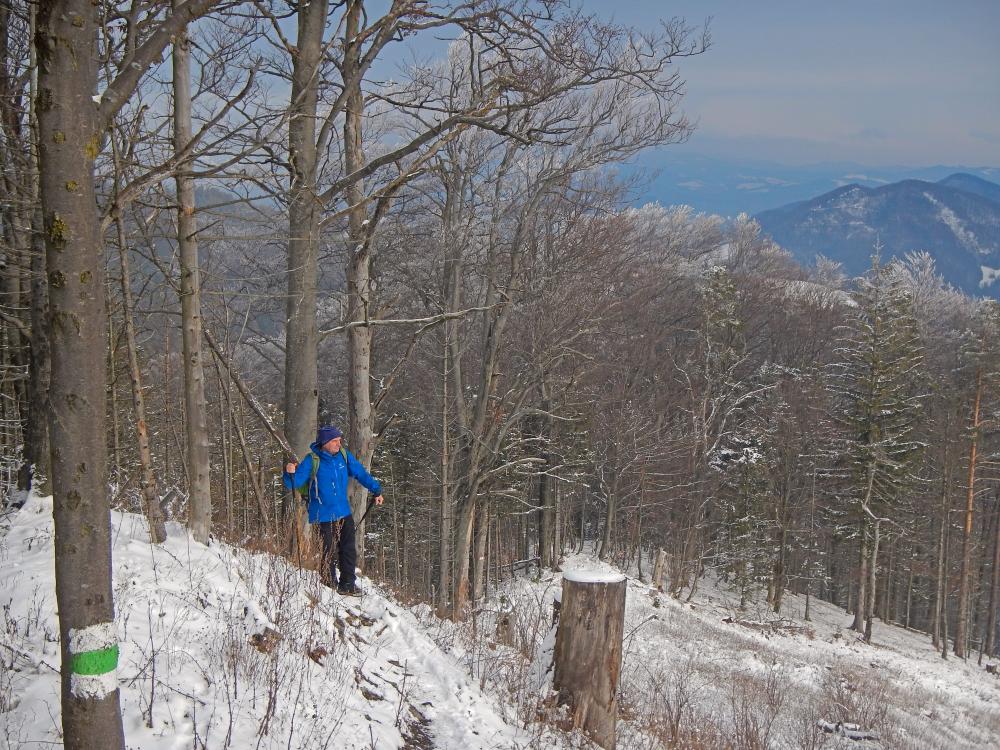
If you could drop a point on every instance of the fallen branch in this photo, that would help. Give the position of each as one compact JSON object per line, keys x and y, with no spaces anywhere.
{"x":275,"y":431}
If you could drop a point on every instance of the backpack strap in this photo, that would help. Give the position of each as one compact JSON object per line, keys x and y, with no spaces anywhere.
{"x":306,"y":491}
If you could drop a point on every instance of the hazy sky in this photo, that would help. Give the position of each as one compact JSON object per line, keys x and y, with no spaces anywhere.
{"x":905,"y":82}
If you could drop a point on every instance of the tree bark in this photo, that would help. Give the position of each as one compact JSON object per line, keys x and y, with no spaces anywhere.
{"x":860,"y":614}
{"x":872,"y":569}
{"x":546,"y":519}
{"x":301,"y":384}
{"x":481,"y":560}
{"x":861,"y":598}
{"x":463,"y":545}
{"x":963,"y":587}
{"x":361,"y":427}
{"x":588,"y":652}
{"x":445,"y":544}
{"x":70,"y":133}
{"x":195,"y":407}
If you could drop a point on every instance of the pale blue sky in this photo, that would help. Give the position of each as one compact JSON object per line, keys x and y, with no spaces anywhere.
{"x":909,"y":82}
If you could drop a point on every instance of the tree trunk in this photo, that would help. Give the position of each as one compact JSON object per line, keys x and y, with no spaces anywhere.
{"x":157,"y":528}
{"x":481,"y":559}
{"x":195,"y":407}
{"x":944,"y":596}
{"x":860,"y":614}
{"x":940,"y":583}
{"x":301,"y":384}
{"x":361,"y":428}
{"x":546,"y":514}
{"x":609,"y":521}
{"x":463,"y":545}
{"x":963,"y":587}
{"x":872,"y":569}
{"x":991,"y":620}
{"x":70,"y":132}
{"x":588,"y":652}
{"x":861,"y":599}
{"x":445,"y":548}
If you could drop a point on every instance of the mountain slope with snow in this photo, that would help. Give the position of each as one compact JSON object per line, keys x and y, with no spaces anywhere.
{"x":956,"y":220}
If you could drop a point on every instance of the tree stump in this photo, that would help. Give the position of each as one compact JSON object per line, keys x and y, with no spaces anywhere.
{"x":588,"y":656}
{"x":659,"y":568}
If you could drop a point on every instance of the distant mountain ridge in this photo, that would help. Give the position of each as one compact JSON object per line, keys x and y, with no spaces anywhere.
{"x":956,"y":220}
{"x":729,"y":186}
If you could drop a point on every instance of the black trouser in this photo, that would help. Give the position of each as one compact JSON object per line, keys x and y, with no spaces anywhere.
{"x":347,"y":552}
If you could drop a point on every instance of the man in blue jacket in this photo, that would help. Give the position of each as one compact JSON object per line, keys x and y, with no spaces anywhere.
{"x":328,"y":504}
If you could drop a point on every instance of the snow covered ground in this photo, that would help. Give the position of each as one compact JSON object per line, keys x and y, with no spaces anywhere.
{"x":703,"y":674}
{"x":226,"y":648}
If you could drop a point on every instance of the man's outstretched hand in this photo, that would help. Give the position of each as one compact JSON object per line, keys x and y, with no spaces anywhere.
{"x":379,"y":499}
{"x":290,"y":467}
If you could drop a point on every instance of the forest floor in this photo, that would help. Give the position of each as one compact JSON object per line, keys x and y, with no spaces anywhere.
{"x":222,"y":647}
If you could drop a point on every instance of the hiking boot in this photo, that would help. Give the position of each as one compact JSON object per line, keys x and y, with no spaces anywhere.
{"x":352,"y":590}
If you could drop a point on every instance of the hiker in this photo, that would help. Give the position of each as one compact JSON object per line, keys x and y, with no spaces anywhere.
{"x":328,"y":504}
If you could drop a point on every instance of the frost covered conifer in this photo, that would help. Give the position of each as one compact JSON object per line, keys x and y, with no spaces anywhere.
{"x":876,"y":391}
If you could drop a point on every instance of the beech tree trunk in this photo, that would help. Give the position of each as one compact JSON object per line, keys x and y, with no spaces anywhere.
{"x":481,"y":560}
{"x":588,"y":654}
{"x":195,"y":407}
{"x":361,"y":427}
{"x":962,"y":623}
{"x":447,"y":510}
{"x":301,"y":338}
{"x":464,"y":523}
{"x":301,"y":390}
{"x":70,"y":132}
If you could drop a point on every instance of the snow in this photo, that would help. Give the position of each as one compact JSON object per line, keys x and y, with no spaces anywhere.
{"x":221,"y":647}
{"x":714,"y":666}
{"x":950,"y":218}
{"x":584,"y":575}
{"x":989,"y":276}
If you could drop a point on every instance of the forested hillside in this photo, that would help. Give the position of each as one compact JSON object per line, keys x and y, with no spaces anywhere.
{"x":217,"y":240}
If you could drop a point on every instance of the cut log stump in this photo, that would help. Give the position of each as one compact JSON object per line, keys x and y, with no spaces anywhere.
{"x":588,"y":655}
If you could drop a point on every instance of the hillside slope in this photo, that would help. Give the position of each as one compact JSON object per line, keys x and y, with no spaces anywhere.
{"x":222,"y":648}
{"x":959,"y":228}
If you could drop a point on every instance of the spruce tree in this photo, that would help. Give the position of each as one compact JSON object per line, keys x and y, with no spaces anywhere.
{"x":877,"y":398}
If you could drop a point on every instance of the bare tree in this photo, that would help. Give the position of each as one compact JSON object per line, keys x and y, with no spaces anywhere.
{"x":72,"y":120}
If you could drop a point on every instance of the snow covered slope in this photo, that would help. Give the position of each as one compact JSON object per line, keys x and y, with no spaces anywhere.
{"x":225,"y":648}
{"x":956,"y":220}
{"x":222,"y":648}
{"x":704,"y":674}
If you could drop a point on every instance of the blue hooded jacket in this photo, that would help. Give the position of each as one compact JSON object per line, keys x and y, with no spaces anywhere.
{"x":328,"y":495}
